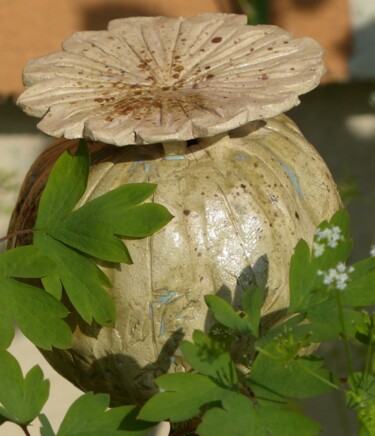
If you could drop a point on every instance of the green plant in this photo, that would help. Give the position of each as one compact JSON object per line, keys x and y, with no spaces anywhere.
{"x":217,"y":396}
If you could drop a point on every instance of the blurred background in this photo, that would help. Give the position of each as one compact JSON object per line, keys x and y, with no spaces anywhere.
{"x":338,"y":118}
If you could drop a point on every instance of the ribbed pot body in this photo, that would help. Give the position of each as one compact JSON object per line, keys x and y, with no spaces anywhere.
{"x":240,"y":203}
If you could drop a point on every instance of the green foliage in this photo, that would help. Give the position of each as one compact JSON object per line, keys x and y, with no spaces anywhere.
{"x":248,"y":321}
{"x":209,"y":358}
{"x":239,"y":416}
{"x":64,"y":234}
{"x":37,"y":313}
{"x":181,"y":397}
{"x":21,"y":399}
{"x":89,"y":416}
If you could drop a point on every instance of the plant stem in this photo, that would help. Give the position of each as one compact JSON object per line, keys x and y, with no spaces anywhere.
{"x":369,"y":355}
{"x":16,"y":233}
{"x":25,"y":429}
{"x":344,"y":335}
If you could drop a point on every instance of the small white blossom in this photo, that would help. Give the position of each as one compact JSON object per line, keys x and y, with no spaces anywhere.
{"x":330,"y":236}
{"x":337,"y":277}
{"x":318,"y":249}
{"x":372,"y":251}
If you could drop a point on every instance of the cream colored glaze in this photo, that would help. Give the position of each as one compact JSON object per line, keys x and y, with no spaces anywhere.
{"x":240,"y":206}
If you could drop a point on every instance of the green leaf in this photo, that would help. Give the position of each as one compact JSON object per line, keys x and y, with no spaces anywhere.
{"x":89,"y":416}
{"x":92,"y":227}
{"x":83,"y":281}
{"x":25,"y":262}
{"x":288,"y":324}
{"x":325,"y":323}
{"x":252,"y":301}
{"x":132,"y":425}
{"x":181,"y":398}
{"x":37,"y":314}
{"x":248,"y":324}
{"x":52,"y":284}
{"x":208,"y":357}
{"x":70,"y":238}
{"x":46,"y":428}
{"x":239,"y":417}
{"x":360,"y":290}
{"x":21,"y":398}
{"x":66,"y":184}
{"x":273,"y":379}
{"x":236,"y":418}
{"x":302,"y":277}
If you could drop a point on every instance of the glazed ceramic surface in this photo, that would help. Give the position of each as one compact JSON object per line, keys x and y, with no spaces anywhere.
{"x":241,"y":201}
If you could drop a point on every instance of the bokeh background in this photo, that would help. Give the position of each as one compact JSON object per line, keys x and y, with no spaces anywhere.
{"x":338,"y":118}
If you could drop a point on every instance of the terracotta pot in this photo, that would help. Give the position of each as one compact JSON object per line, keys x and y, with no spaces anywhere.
{"x":241,"y":202}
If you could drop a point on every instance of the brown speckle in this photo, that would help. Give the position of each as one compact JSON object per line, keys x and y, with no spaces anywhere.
{"x":210,"y":76}
{"x":186,"y":212}
{"x":263,"y":77}
{"x":216,"y":39}
{"x":296,"y":215}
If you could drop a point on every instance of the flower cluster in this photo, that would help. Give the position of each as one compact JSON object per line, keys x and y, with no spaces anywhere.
{"x":337,"y":277}
{"x":328,"y":237}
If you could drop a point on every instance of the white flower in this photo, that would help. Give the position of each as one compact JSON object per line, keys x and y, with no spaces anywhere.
{"x":372,"y":251}
{"x":318,"y":249}
{"x":330,"y":236}
{"x":337,"y":277}
{"x":155,"y":79}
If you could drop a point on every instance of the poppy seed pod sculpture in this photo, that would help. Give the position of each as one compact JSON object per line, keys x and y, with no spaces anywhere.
{"x":198,"y":104}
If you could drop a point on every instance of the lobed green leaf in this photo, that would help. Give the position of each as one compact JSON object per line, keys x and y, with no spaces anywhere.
{"x":246,"y":323}
{"x":182,"y":397}
{"x":273,"y":379}
{"x":239,"y":417}
{"x":89,"y":415}
{"x":209,"y":358}
{"x":37,"y":314}
{"x":66,"y":184}
{"x":83,"y":281}
{"x":21,"y":398}
{"x":302,"y":278}
{"x":25,"y":262}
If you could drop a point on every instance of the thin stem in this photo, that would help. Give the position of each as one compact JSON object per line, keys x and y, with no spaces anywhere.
{"x":369,"y":355}
{"x":16,"y":233}
{"x":25,"y":430}
{"x":344,"y":335}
